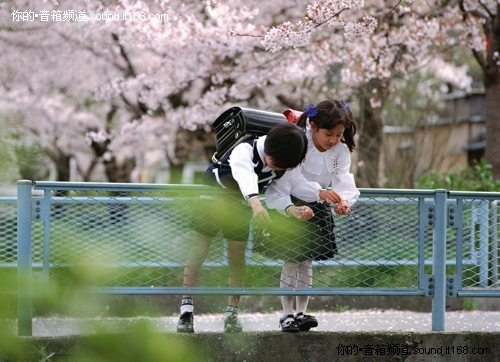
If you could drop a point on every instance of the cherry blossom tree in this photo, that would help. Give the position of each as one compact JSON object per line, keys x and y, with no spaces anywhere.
{"x":45,"y":81}
{"x":478,"y":23}
{"x":408,"y":36}
{"x":149,"y":76}
{"x":52,"y":72}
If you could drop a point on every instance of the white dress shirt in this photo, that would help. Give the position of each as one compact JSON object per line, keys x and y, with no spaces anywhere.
{"x":243,"y":167}
{"x":319,"y":170}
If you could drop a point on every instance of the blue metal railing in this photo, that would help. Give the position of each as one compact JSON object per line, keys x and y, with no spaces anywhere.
{"x":412,"y":230}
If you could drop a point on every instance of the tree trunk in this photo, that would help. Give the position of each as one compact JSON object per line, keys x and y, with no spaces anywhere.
{"x":492,"y":88}
{"x":186,"y":142}
{"x":176,"y":172}
{"x":119,"y":172}
{"x":370,"y":140}
{"x":63,"y":167}
{"x":493,"y":127}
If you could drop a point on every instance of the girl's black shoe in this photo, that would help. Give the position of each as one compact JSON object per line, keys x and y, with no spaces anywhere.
{"x":305,"y":322}
{"x":288,"y":324}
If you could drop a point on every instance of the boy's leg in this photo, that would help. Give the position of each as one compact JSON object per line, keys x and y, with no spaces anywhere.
{"x":195,"y":259}
{"x":196,"y":256}
{"x":237,"y":267}
{"x":237,"y":270}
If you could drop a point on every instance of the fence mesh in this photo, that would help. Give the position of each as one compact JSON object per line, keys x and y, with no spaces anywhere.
{"x":8,"y":231}
{"x":478,"y":241}
{"x":143,"y":239}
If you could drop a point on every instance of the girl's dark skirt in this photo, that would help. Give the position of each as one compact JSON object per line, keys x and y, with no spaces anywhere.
{"x":288,"y":238}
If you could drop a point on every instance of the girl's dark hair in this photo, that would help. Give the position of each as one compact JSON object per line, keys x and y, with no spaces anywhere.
{"x":286,"y":144}
{"x":330,"y":114}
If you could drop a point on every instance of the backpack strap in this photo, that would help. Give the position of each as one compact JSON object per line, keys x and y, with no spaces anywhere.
{"x":224,"y":161}
{"x":220,"y":173}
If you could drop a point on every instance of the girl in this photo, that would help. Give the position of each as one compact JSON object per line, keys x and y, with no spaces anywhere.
{"x":330,"y":130}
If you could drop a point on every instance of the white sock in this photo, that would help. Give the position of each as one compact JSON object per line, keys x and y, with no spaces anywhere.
{"x":230,"y":310}
{"x":187,"y":305}
{"x":288,"y":279}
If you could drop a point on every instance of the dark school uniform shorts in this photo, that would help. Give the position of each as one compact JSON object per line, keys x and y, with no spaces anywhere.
{"x":224,"y":212}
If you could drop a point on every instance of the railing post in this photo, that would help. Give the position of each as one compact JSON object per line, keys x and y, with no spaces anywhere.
{"x":494,"y":242}
{"x":24,"y":272}
{"x":483,"y":221}
{"x":439,"y":261}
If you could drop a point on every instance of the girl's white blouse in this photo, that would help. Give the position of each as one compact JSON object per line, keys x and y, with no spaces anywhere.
{"x":319,"y":170}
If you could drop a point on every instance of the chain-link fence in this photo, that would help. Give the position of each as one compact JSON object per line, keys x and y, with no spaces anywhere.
{"x":473,"y":230}
{"x":8,"y":232}
{"x":144,"y":236}
{"x":139,"y":237}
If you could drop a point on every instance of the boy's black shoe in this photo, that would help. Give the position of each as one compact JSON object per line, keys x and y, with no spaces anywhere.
{"x":185,"y":323}
{"x":288,"y":324}
{"x":305,"y":322}
{"x":232,"y":324}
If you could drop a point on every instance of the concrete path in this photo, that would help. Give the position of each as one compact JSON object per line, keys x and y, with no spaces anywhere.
{"x":348,"y":321}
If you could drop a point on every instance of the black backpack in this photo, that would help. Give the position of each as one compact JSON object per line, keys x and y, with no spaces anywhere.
{"x":236,"y":125}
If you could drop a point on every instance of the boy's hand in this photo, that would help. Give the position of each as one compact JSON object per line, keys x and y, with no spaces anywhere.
{"x":329,"y":196}
{"x":342,"y":207}
{"x":260,"y":214}
{"x":301,"y":212}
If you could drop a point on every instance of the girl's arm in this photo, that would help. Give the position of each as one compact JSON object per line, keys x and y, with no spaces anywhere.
{"x":293,"y":182}
{"x":343,"y":181}
{"x":278,"y":192}
{"x":278,"y":196}
{"x":311,"y":191}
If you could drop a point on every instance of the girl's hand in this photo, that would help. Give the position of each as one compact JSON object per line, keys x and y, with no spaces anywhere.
{"x":301,"y":212}
{"x":342,"y":207}
{"x":329,"y":196}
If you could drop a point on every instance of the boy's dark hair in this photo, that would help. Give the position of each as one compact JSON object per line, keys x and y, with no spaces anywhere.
{"x":330,"y":114}
{"x":286,"y":144}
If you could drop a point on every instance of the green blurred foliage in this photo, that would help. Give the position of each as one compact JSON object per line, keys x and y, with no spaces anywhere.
{"x":8,"y":171}
{"x":31,"y":162}
{"x":140,"y":343}
{"x":139,"y":340}
{"x":477,"y":178}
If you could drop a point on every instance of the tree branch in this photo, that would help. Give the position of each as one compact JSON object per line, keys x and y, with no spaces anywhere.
{"x":390,"y":11}
{"x":487,"y":10}
{"x":130,"y":67}
{"x":480,"y":59}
